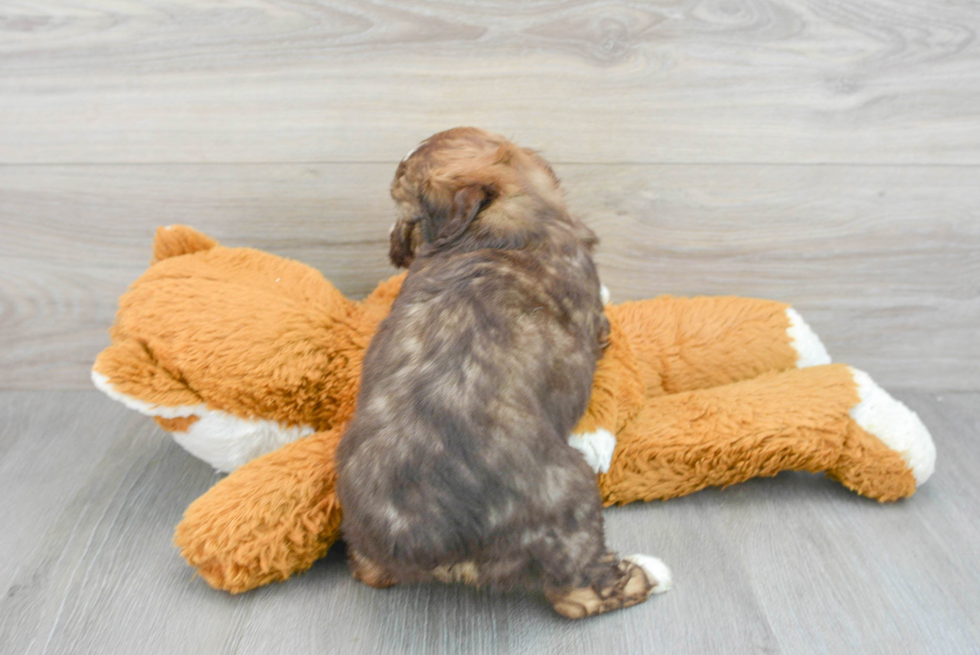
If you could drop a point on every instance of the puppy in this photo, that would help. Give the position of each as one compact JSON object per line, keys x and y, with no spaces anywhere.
{"x":456,"y":465}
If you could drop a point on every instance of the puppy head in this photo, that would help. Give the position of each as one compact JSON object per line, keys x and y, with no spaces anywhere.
{"x":462,"y":179}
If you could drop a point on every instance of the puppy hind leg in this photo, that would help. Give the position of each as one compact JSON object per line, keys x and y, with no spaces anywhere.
{"x":579,"y":574}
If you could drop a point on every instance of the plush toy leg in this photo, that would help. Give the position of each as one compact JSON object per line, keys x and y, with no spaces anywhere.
{"x":808,"y":419}
{"x":668,"y":345}
{"x":683,"y":344}
{"x":881,"y":426}
{"x":269,"y":519}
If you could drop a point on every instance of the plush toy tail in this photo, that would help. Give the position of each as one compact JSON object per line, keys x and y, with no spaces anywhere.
{"x":175,"y":240}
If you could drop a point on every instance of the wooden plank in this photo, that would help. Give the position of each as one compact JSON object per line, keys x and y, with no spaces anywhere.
{"x":92,"y":492}
{"x":883,"y":261}
{"x":326,"y":610}
{"x":792,"y":564}
{"x":838,"y":573}
{"x":878,"y":81}
{"x":48,"y":448}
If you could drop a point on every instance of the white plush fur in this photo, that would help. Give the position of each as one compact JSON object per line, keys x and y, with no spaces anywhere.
{"x":223,"y":440}
{"x":102,"y":383}
{"x":597,"y":448}
{"x":896,"y":425}
{"x":226,"y":442}
{"x":810,"y":351}
{"x":656,"y":570}
{"x":604,"y":294}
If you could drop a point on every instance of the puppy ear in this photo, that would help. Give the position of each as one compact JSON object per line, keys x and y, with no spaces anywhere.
{"x":439,"y":228}
{"x":467,"y":203}
{"x":401,"y":252}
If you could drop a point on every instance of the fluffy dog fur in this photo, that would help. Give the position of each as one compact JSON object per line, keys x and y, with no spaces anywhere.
{"x":456,"y":465}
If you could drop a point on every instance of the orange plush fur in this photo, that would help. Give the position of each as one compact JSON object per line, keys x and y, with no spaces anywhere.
{"x":252,"y":362}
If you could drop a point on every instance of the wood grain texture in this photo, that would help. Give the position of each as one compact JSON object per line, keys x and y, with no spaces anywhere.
{"x":875,"y":81}
{"x":794,"y":564}
{"x":883,"y":261}
{"x":820,"y":152}
{"x":91,"y":496}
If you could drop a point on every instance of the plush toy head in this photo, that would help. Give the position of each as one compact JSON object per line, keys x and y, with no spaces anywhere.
{"x":236,"y":351}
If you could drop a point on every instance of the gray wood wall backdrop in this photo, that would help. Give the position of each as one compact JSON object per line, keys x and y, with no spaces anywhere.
{"x":824,"y":153}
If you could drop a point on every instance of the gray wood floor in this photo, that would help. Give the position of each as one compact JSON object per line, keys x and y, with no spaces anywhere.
{"x":792,"y":564}
{"x":819,"y":152}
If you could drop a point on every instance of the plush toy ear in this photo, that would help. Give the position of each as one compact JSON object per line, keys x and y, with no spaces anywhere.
{"x":175,"y":240}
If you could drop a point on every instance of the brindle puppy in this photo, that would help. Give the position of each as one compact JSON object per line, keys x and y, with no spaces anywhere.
{"x":456,"y":466}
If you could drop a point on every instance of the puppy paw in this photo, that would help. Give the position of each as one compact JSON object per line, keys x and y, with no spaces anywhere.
{"x":597,"y":448}
{"x":635,"y":579}
{"x":364,"y":570}
{"x":656,"y":571}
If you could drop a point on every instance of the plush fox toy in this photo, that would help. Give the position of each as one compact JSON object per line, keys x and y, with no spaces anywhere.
{"x":252,"y":362}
